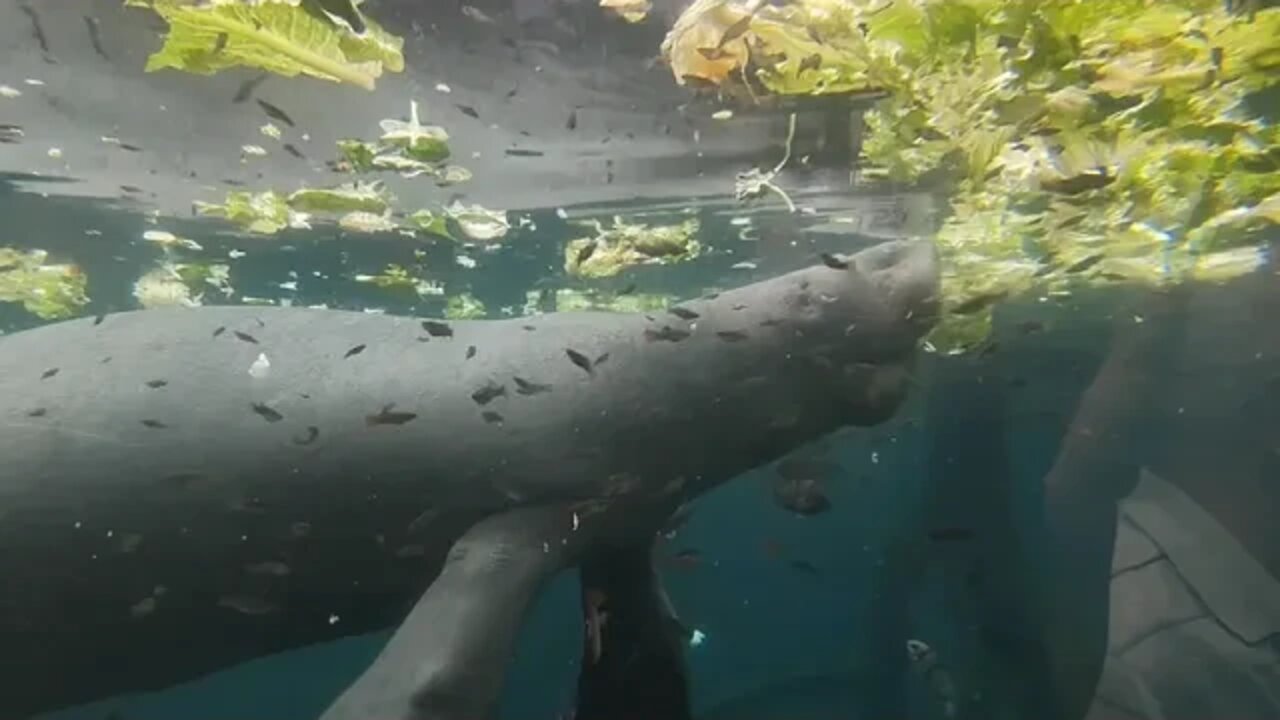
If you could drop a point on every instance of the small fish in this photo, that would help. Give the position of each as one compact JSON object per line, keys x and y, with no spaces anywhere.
{"x":522,"y":152}
{"x":154,"y":424}
{"x":312,"y":433}
{"x":630,"y":288}
{"x":512,"y":92}
{"x":1083,"y":264}
{"x":732,"y":335}
{"x":471,"y":351}
{"x":131,"y":189}
{"x":812,"y":62}
{"x":37,"y":412}
{"x":572,"y":123}
{"x":951,"y":534}
{"x":354,"y":351}
{"x":294,"y":151}
{"x":803,"y":497}
{"x":978,"y":302}
{"x":266,"y":412}
{"x":97,"y":319}
{"x":247,"y":87}
{"x":245,"y":337}
{"x":156,"y":384}
{"x":491,"y":417}
{"x":524,"y":387}
{"x":48,"y":373}
{"x":247,"y":605}
{"x":683,"y":313}
{"x":477,"y":14}
{"x":602,"y":359}
{"x":579,"y":359}
{"x":37,"y":30}
{"x":435,"y":328}
{"x":467,"y":110}
{"x":387,"y":416}
{"x":667,"y":334}
{"x":219,"y":330}
{"x":274,"y":112}
{"x":737,"y":30}
{"x":490,"y":392}
{"x":95,"y":37}
{"x":834,"y":262}
{"x":585,"y":253}
{"x":220,"y":43}
{"x":687,"y":556}
{"x":805,"y":567}
{"x":272,"y":568}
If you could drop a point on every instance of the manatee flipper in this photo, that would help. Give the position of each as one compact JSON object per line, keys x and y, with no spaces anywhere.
{"x":633,"y":654}
{"x":448,"y":658}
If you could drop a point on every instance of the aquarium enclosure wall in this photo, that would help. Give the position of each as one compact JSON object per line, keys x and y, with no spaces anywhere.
{"x":639,"y":359}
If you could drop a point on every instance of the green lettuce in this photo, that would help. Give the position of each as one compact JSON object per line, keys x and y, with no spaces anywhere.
{"x":281,"y":36}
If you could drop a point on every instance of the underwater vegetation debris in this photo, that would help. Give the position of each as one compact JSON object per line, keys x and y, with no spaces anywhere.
{"x":281,"y":36}
{"x":50,"y":291}
{"x":1078,"y":143}
{"x":612,"y":250}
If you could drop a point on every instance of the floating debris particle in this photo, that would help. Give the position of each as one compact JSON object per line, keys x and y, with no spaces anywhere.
{"x":441,"y":87}
{"x":270,"y":130}
{"x":165,"y":238}
{"x":260,"y":367}
{"x":477,"y":14}
{"x":55,"y":153}
{"x":143,"y":607}
{"x":744,"y":265}
{"x":253,"y":150}
{"x":722,"y":115}
{"x":247,"y":605}
{"x":9,"y":92}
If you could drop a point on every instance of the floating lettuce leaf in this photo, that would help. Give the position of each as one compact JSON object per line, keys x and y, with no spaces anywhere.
{"x":428,"y":143}
{"x":366,"y":197}
{"x":280,"y":36}
{"x":433,"y":223}
{"x":163,"y":287}
{"x":452,"y":175}
{"x":464,"y":307}
{"x":48,"y":291}
{"x":367,"y":222}
{"x":478,"y":223}
{"x":265,"y":212}
{"x":398,"y":277}
{"x":624,"y":245}
{"x":357,"y":154}
{"x":1078,"y":143}
{"x":633,"y":11}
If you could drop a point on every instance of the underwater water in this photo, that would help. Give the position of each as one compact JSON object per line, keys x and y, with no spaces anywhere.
{"x":1051,"y":494}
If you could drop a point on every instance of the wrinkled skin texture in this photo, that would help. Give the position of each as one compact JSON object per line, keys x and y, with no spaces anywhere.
{"x":171,"y":506}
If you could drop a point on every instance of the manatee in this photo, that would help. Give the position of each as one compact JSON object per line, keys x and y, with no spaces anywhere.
{"x":182,"y":490}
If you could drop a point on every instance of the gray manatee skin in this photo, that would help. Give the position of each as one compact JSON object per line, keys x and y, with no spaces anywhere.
{"x":165,"y":512}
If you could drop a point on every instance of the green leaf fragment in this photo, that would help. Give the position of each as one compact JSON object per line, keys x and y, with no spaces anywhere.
{"x":464,"y":307}
{"x":428,"y":143}
{"x":478,"y":223}
{"x":366,"y":222}
{"x":433,"y":223}
{"x":365,"y":197}
{"x":48,"y":291}
{"x":357,"y":154}
{"x":264,"y":213}
{"x":280,"y":36}
{"x":625,"y":245}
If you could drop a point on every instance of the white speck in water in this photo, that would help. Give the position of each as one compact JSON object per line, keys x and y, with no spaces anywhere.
{"x":260,"y":367}
{"x":546,"y":547}
{"x":875,"y":458}
{"x":465,"y":261}
{"x":1139,"y":319}
{"x":55,"y":153}
{"x":333,"y":619}
{"x":9,"y":92}
{"x":697,"y":638}
{"x":562,"y":213}
{"x":744,"y":265}
{"x":575,"y":522}
{"x":33,"y":82}
{"x":110,"y":533}
{"x":291,"y":285}
{"x":77,"y":525}
{"x":244,"y":538}
{"x":441,"y":87}
{"x":236,"y":254}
